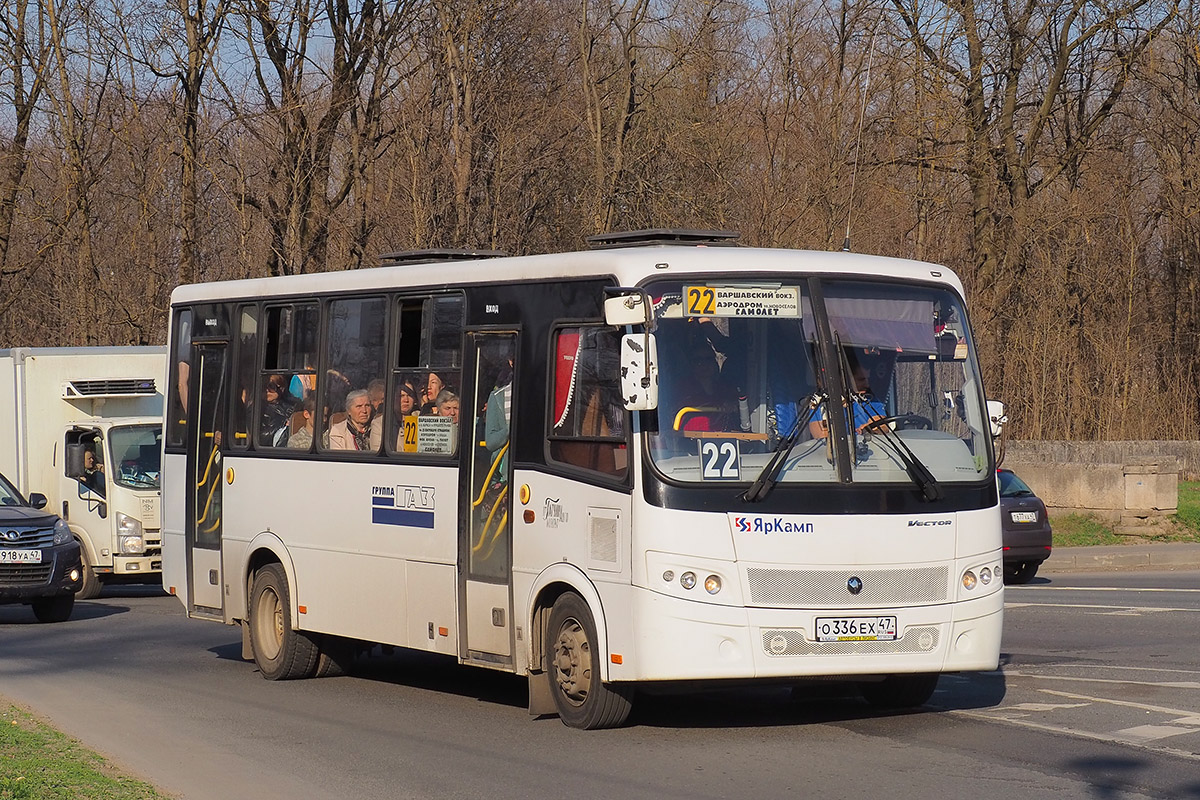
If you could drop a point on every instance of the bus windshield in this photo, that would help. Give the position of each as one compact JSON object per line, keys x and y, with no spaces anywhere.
{"x":136,"y":453}
{"x":742,"y":367}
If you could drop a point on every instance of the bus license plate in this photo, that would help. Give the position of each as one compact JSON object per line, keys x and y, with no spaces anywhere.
{"x":1024,"y":516}
{"x":20,"y":556}
{"x":856,"y":629}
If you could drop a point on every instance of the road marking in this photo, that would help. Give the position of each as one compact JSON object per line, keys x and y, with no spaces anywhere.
{"x":1151,"y":733}
{"x":1056,"y":729}
{"x":1119,"y":609}
{"x":1090,"y":589}
{"x":1123,"y":703}
{"x":1073,"y":679}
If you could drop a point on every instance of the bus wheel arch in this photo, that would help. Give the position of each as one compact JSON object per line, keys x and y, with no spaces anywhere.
{"x":551,"y":584}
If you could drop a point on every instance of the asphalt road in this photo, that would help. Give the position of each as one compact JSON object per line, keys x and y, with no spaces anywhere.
{"x":1098,"y":696}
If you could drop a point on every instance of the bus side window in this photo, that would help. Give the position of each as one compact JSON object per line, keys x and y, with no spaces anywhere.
{"x":587,"y":427}
{"x":180,"y":375}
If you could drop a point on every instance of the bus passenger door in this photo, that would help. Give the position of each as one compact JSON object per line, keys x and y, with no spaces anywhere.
{"x":485,"y":528}
{"x":204,"y":473}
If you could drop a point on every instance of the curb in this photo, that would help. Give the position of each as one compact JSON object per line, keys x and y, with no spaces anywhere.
{"x":1183,"y":555}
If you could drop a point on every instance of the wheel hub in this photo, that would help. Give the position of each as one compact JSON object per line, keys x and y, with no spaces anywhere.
{"x":573,"y":662}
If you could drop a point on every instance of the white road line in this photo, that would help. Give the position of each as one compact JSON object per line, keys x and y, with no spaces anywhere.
{"x":1055,"y":729}
{"x":1151,"y":733}
{"x":1124,"y":703}
{"x":1126,"y":682}
{"x":1101,"y":608}
{"x":1119,"y":668}
{"x":1008,"y":589}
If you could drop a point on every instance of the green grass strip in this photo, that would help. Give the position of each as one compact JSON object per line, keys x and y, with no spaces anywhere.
{"x":39,"y":763}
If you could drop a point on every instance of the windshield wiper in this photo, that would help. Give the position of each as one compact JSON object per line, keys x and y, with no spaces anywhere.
{"x":766,"y":479}
{"x":930,"y":488}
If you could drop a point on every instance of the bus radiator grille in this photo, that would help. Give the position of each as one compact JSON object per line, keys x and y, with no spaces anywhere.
{"x":817,"y":588}
{"x":791,"y":642}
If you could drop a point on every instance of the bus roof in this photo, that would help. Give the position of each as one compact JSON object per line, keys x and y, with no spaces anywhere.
{"x":628,"y":265}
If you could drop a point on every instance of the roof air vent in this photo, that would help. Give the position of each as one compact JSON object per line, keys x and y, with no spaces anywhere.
{"x":664,"y":236}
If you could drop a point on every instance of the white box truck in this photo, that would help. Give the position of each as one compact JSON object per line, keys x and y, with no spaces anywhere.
{"x":83,"y":426}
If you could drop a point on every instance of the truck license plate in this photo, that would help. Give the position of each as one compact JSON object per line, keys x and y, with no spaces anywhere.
{"x":20,"y":556}
{"x":855,"y":629}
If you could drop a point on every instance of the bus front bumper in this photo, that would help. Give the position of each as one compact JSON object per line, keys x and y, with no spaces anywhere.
{"x":684,"y":640}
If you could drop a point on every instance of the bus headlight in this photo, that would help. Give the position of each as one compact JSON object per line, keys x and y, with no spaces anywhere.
{"x":712,"y":584}
{"x":687,"y":580}
{"x":969,"y":580}
{"x":130,"y":540}
{"x":62,"y":533}
{"x":985,"y":576}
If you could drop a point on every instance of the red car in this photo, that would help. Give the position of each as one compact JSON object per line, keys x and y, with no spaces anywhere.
{"x":1027,"y":535}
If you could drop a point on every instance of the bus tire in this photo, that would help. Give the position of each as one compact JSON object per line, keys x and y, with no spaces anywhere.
{"x":54,"y":609}
{"x":280,"y":652}
{"x":335,"y":656}
{"x":90,"y":586}
{"x":900,"y":691}
{"x":573,"y":666}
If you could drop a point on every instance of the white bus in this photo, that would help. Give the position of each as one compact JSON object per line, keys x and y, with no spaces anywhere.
{"x":600,"y":469}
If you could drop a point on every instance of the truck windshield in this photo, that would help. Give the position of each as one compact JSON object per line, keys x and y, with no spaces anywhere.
{"x":136,"y":453}
{"x":741,"y":367}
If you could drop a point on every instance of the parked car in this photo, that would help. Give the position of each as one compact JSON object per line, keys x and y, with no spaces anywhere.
{"x":1027,"y":535}
{"x":39,"y":559}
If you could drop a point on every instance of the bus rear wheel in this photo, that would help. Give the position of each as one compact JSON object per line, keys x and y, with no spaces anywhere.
{"x":281,"y":652}
{"x":900,"y":691}
{"x":582,"y":699}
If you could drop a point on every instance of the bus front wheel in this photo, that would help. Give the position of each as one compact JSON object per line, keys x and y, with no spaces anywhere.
{"x":582,"y":699}
{"x":280,"y":652}
{"x":900,"y":691}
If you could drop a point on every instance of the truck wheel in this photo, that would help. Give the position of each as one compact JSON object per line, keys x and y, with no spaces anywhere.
{"x":54,"y":609}
{"x":90,"y":585}
{"x":582,"y":700}
{"x":280,"y":652}
{"x":900,"y":691}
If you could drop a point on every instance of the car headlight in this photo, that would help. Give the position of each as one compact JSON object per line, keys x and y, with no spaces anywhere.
{"x":129,"y":535}
{"x":62,"y":532}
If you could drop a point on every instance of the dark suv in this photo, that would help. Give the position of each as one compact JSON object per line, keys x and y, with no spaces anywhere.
{"x":39,"y":561}
{"x":1027,"y":534}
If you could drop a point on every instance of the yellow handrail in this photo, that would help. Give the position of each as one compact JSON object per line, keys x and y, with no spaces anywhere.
{"x":692,"y":410}
{"x":495,"y":463}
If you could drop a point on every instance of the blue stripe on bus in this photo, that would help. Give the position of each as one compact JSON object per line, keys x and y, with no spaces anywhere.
{"x":383,"y":501}
{"x":400,"y":516}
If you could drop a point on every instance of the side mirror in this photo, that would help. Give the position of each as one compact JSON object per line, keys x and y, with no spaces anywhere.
{"x":996,"y":417}
{"x":74,"y":463}
{"x":37,"y":500}
{"x":639,"y":371}
{"x":626,"y":309}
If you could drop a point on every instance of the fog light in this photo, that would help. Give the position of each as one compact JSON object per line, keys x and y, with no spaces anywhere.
{"x":712,"y":584}
{"x":985,"y":576}
{"x":74,"y":576}
{"x":687,"y":580}
{"x":134,"y":567}
{"x":968,"y":580}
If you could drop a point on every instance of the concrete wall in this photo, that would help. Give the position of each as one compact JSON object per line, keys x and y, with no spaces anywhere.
{"x":1070,"y":478}
{"x":1185,"y":453}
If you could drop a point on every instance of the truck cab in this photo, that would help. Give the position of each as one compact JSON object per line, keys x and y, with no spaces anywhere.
{"x":110,"y":498}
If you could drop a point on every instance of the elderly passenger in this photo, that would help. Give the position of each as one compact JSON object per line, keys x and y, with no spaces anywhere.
{"x":359,"y":430}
